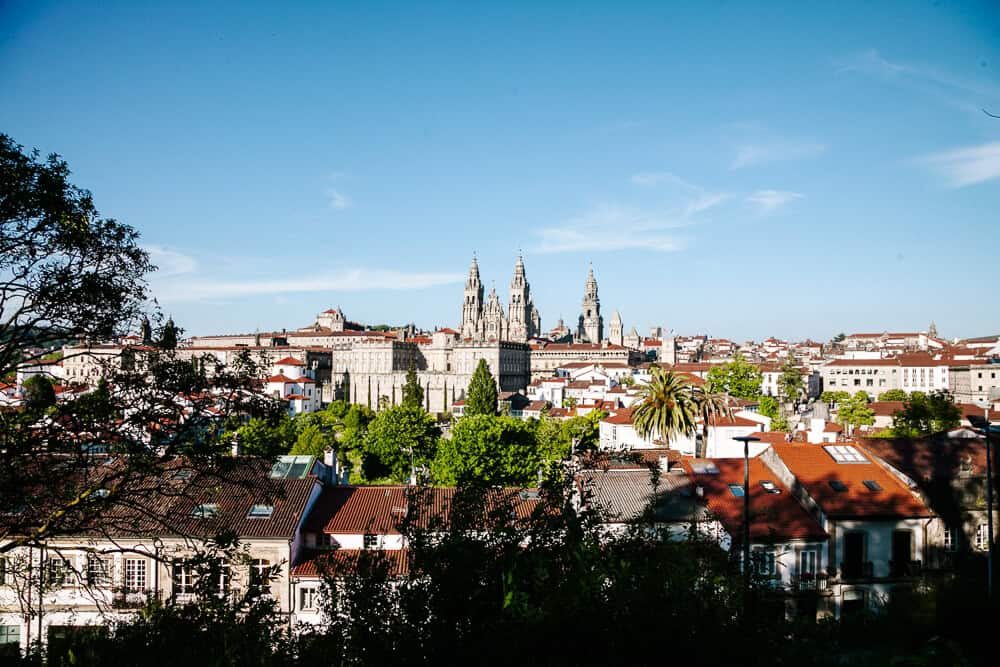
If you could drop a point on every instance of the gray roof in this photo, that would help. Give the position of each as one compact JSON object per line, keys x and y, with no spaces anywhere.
{"x":624,"y":495}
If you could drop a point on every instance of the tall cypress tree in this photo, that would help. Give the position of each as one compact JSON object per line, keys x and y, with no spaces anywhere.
{"x":482,"y":397}
{"x":413,"y":393}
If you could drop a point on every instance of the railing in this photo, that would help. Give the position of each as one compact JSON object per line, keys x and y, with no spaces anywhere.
{"x":130,"y":599}
{"x":857,"y":570}
{"x":905,"y":568}
{"x":809,"y":581}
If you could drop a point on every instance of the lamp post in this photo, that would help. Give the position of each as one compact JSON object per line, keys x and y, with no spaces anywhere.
{"x":746,"y":440}
{"x":985,"y":405}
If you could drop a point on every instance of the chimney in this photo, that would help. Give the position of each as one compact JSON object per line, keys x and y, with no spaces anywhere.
{"x":332,"y":473}
{"x":665,"y":463}
{"x":237,"y":448}
{"x":699,"y":491}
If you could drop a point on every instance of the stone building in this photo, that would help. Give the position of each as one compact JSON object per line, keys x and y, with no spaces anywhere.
{"x":591,"y":326}
{"x":367,"y":372}
{"x":485,"y":321}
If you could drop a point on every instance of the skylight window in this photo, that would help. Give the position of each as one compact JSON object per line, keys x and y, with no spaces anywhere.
{"x":872,"y":485}
{"x":705,"y":468}
{"x":770,"y":486}
{"x":838,"y":486}
{"x":845,"y":454}
{"x":183,"y":473}
{"x":736,"y":490}
{"x":205,"y":511}
{"x":260,"y":512}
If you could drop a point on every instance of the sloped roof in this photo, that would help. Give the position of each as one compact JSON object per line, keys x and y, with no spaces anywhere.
{"x":773,"y":516}
{"x":815,"y":468}
{"x":314,"y":563}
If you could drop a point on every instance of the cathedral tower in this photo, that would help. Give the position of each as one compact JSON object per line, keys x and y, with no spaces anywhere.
{"x":522,"y":317}
{"x":616,"y":333}
{"x":472,"y":306}
{"x":591,"y":325}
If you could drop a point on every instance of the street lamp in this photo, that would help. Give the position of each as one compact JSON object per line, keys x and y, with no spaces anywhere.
{"x":746,"y":440}
{"x":985,"y":405}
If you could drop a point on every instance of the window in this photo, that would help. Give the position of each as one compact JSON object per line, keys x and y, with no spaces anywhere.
{"x":371,"y":542}
{"x":57,"y":571}
{"x":135,"y":574}
{"x":3,"y":570}
{"x":807,"y":562}
{"x":225,"y":576}
{"x":838,"y":486}
{"x":736,"y":490}
{"x":9,"y":634}
{"x":763,"y":562}
{"x":98,"y":570}
{"x":770,"y":486}
{"x":205,"y":511}
{"x":182,"y":577}
{"x":982,"y":534}
{"x":308,"y":599}
{"x":872,"y":485}
{"x":260,"y":574}
{"x":869,"y":382}
{"x":260,"y":512}
{"x":950,"y":538}
{"x":857,"y":382}
{"x":845,"y":454}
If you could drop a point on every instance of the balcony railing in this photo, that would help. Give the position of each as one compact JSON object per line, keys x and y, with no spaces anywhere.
{"x":857,"y":570}
{"x":905,"y":568}
{"x":131,"y":599}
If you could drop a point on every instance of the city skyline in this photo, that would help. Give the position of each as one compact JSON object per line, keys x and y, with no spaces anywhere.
{"x":732,"y":171}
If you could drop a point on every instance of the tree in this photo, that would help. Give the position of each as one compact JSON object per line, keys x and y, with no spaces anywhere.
{"x":313,"y":440}
{"x":488,"y":450}
{"x":413,"y":393}
{"x":855,"y":412}
{"x":737,"y":378}
{"x":839,"y":338}
{"x":710,"y":407}
{"x":893,"y":395}
{"x":482,"y":396}
{"x":790,"y":382}
{"x":666,"y":406}
{"x":67,"y":273}
{"x":834,"y":397}
{"x":399,"y":440}
{"x":39,"y":394}
{"x":267,"y":437}
{"x":925,"y":414}
{"x":769,"y":407}
{"x":168,"y":335}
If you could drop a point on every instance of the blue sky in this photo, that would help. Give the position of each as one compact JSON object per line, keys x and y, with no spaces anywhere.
{"x":729,"y":169}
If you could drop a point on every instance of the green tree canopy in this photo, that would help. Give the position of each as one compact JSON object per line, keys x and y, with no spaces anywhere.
{"x":924,"y":414}
{"x":737,"y":378}
{"x":482,"y":396}
{"x":491,"y":450}
{"x":833,"y":397}
{"x":39,"y":394}
{"x":893,"y":395}
{"x":769,"y":407}
{"x":666,"y":407}
{"x":267,"y":437}
{"x":413,"y":393}
{"x":855,"y":411}
{"x":399,"y":439}
{"x":790,"y":383}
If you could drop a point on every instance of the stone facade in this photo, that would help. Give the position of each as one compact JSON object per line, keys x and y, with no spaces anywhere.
{"x":485,"y":321}
{"x":591,"y":325}
{"x":365,"y":373}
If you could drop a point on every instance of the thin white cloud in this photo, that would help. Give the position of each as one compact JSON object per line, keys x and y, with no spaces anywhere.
{"x":170,"y":262}
{"x":610,"y":227}
{"x":967,"y":166}
{"x":657,"y":178}
{"x":963,"y":92}
{"x":352,"y":280}
{"x":750,"y":155}
{"x":337,"y":199}
{"x":769,"y":201}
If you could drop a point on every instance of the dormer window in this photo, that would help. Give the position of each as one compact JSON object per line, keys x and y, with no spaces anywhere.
{"x":838,"y":486}
{"x":872,"y":485}
{"x":205,"y":511}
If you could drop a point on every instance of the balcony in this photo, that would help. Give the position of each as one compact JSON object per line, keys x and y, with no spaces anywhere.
{"x":856,"y":570}
{"x":131,"y":599}
{"x":809,"y":581}
{"x":905,"y":568}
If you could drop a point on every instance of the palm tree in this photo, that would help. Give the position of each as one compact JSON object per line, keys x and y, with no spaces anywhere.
{"x":666,"y":407}
{"x":710,"y":406}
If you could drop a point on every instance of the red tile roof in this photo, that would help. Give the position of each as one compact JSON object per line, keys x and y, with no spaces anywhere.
{"x":815,"y":469}
{"x":289,"y":361}
{"x":773,"y":516}
{"x":316,"y":563}
{"x":623,"y":416}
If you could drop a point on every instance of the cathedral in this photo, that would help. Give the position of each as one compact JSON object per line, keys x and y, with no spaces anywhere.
{"x":485,"y":321}
{"x":591,"y":326}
